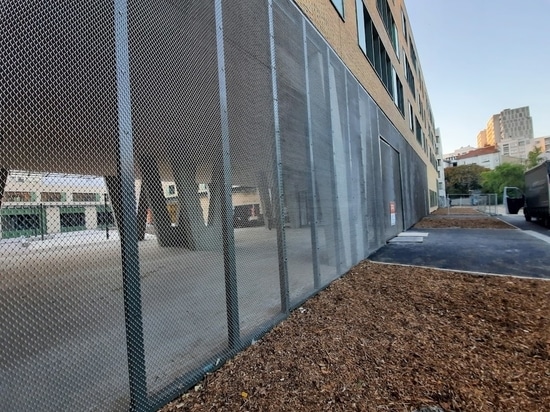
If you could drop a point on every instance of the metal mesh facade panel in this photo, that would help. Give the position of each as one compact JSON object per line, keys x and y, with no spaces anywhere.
{"x":175,"y":176}
{"x":62,"y":330}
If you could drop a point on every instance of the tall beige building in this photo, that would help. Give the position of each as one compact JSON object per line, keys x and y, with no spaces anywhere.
{"x":482,"y":138}
{"x":514,"y":124}
{"x":492,"y":131}
{"x":542,"y":142}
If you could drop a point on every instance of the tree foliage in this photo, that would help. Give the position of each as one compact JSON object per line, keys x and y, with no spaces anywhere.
{"x":506,"y":174}
{"x":462,"y":179}
{"x":534,"y":157}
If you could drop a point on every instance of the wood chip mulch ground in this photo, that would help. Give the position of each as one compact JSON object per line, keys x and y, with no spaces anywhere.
{"x":460,"y":218}
{"x":396,"y":338}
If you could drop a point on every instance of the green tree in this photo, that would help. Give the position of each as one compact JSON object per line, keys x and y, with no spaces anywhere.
{"x":534,"y":157}
{"x":462,"y":179}
{"x":506,"y":174}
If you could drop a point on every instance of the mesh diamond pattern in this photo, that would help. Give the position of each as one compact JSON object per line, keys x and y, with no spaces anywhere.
{"x":143,"y":244}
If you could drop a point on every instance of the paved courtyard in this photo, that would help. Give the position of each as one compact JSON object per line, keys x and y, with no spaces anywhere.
{"x":62,"y":316}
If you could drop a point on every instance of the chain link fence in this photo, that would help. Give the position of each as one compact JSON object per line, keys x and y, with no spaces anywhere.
{"x":483,"y":202}
{"x":175,"y":176}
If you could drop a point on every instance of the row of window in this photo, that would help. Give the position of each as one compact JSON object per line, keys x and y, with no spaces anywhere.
{"x":50,"y":197}
{"x":34,"y":222}
{"x":372,"y":46}
{"x":389,"y":23}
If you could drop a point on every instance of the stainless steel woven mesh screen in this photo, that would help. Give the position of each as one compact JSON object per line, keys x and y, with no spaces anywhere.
{"x":175,"y":177}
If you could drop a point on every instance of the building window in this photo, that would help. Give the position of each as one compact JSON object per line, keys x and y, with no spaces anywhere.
{"x":418,"y":130}
{"x":51,"y":197}
{"x":22,"y":221}
{"x":389,"y":23}
{"x":339,"y":5}
{"x":404,"y":21}
{"x":17,"y":197}
{"x":105,"y":218}
{"x":72,"y":220}
{"x":409,"y":76}
{"x":413,"y":57}
{"x":395,"y":39}
{"x":373,"y":47}
{"x":411,"y":117}
{"x":435,"y":199}
{"x":398,"y":97}
{"x":84,"y":197}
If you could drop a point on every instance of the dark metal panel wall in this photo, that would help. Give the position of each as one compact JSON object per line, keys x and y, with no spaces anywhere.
{"x":294,"y":112}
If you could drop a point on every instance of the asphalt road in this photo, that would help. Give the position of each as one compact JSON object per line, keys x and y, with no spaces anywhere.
{"x":524,"y":251}
{"x":520,"y":222}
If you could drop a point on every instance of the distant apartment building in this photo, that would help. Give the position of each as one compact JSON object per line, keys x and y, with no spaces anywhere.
{"x":449,"y":158}
{"x":543,"y":143}
{"x":492,"y":131}
{"x":516,"y":150}
{"x":516,"y":124}
{"x":35,"y":204}
{"x":488,"y":157}
{"x":42,"y":204}
{"x":509,"y":124}
{"x":440,"y":169}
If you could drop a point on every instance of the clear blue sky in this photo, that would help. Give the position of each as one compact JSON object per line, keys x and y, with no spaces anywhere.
{"x":480,"y":57}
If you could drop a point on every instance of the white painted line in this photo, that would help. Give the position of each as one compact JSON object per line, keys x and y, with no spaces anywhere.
{"x":539,"y":236}
{"x":467,"y":272}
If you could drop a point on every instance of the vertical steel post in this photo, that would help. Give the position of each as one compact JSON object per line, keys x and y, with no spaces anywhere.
{"x":280,"y":204}
{"x":313,"y":188}
{"x":105,"y":219}
{"x":41,"y":221}
{"x":31,"y":222}
{"x":142,"y":213}
{"x":335,"y":199}
{"x":351,"y":179}
{"x":228,"y":235}
{"x":127,"y":219}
